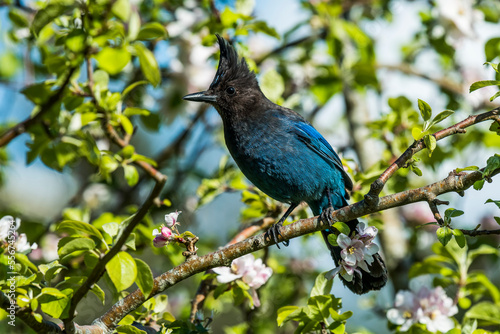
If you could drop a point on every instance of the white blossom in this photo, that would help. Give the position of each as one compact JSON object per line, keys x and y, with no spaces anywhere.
{"x":458,"y":17}
{"x":250,"y":270}
{"x":431,"y":307}
{"x":357,"y":252}
{"x":8,"y":228}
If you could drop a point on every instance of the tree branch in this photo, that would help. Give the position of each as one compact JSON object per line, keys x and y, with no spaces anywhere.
{"x":22,"y":127}
{"x":376,"y":187}
{"x":453,"y":183}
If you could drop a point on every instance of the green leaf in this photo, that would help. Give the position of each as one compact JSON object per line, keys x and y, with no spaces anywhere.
{"x":332,"y":239}
{"x":121,"y":9}
{"x":75,"y":41}
{"x":55,"y":304}
{"x":342,"y":228}
{"x":23,"y":260}
{"x":497,"y":203}
{"x":131,"y":175}
{"x":482,"y":250}
{"x":285,"y":312}
{"x":430,"y":142}
{"x":492,"y":49}
{"x":416,"y":133}
{"x":444,"y":235}
{"x":262,"y":26}
{"x":416,"y":170}
{"x":450,"y":213}
{"x":52,"y":10}
{"x":220,"y":289}
{"x":459,"y":238}
{"x":485,"y":311}
{"x":111,"y":228}
{"x":497,"y":94}
{"x":127,"y":90}
{"x":322,"y":285}
{"x":122,"y":270}
{"x":425,"y":110}
{"x":51,"y":269}
{"x":18,"y":18}
{"x":148,"y":63}
{"x":130,"y":242}
{"x":144,"y":278}
{"x":131,"y":111}
{"x":484,"y":83}
{"x":113,"y":60}
{"x":442,"y":116}
{"x":37,"y":93}
{"x":152,"y":30}
{"x":492,"y":164}
{"x":96,"y":289}
{"x":129,"y":329}
{"x":79,"y":227}
{"x":74,"y":245}
{"x":478,"y":185}
{"x":53,"y":292}
{"x":318,"y":307}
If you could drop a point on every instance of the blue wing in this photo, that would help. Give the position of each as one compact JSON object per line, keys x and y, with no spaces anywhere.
{"x":314,"y":140}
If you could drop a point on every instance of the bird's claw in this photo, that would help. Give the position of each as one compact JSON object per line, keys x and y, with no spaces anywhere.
{"x":274,"y":232}
{"x":326,"y":216}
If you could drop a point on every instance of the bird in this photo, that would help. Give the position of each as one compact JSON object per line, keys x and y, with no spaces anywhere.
{"x":283,"y":155}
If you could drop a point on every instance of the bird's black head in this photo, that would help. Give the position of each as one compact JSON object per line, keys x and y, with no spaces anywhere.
{"x":234,"y":87}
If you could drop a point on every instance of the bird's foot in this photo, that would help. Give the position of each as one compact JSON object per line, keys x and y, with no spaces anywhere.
{"x":326,"y":216}
{"x":274,"y":231}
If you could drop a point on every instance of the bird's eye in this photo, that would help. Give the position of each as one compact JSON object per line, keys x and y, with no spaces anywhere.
{"x":230,"y":90}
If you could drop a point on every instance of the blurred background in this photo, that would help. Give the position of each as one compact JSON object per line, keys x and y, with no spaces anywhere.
{"x":354,"y":69}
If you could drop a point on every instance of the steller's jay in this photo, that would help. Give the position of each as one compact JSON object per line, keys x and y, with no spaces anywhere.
{"x":282,"y":154}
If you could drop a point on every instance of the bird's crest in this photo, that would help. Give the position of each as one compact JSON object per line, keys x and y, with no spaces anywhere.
{"x":230,"y":66}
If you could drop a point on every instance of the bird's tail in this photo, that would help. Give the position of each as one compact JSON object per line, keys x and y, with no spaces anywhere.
{"x":362,"y":281}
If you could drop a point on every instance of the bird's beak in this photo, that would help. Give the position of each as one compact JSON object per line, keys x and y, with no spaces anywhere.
{"x":201,"y":97}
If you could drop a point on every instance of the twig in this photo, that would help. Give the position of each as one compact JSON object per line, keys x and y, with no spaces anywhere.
{"x":474,"y":233}
{"x":433,"y":203}
{"x":377,"y":186}
{"x":22,"y":127}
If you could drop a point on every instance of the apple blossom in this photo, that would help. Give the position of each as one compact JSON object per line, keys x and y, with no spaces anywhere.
{"x":171,"y":218}
{"x":250,"y":270}
{"x":431,"y":307}
{"x":356,"y":252}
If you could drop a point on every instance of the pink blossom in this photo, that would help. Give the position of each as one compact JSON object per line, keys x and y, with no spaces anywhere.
{"x":161,"y":238}
{"x":171,"y":218}
{"x":166,"y":232}
{"x":251,"y":271}
{"x":431,"y":307}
